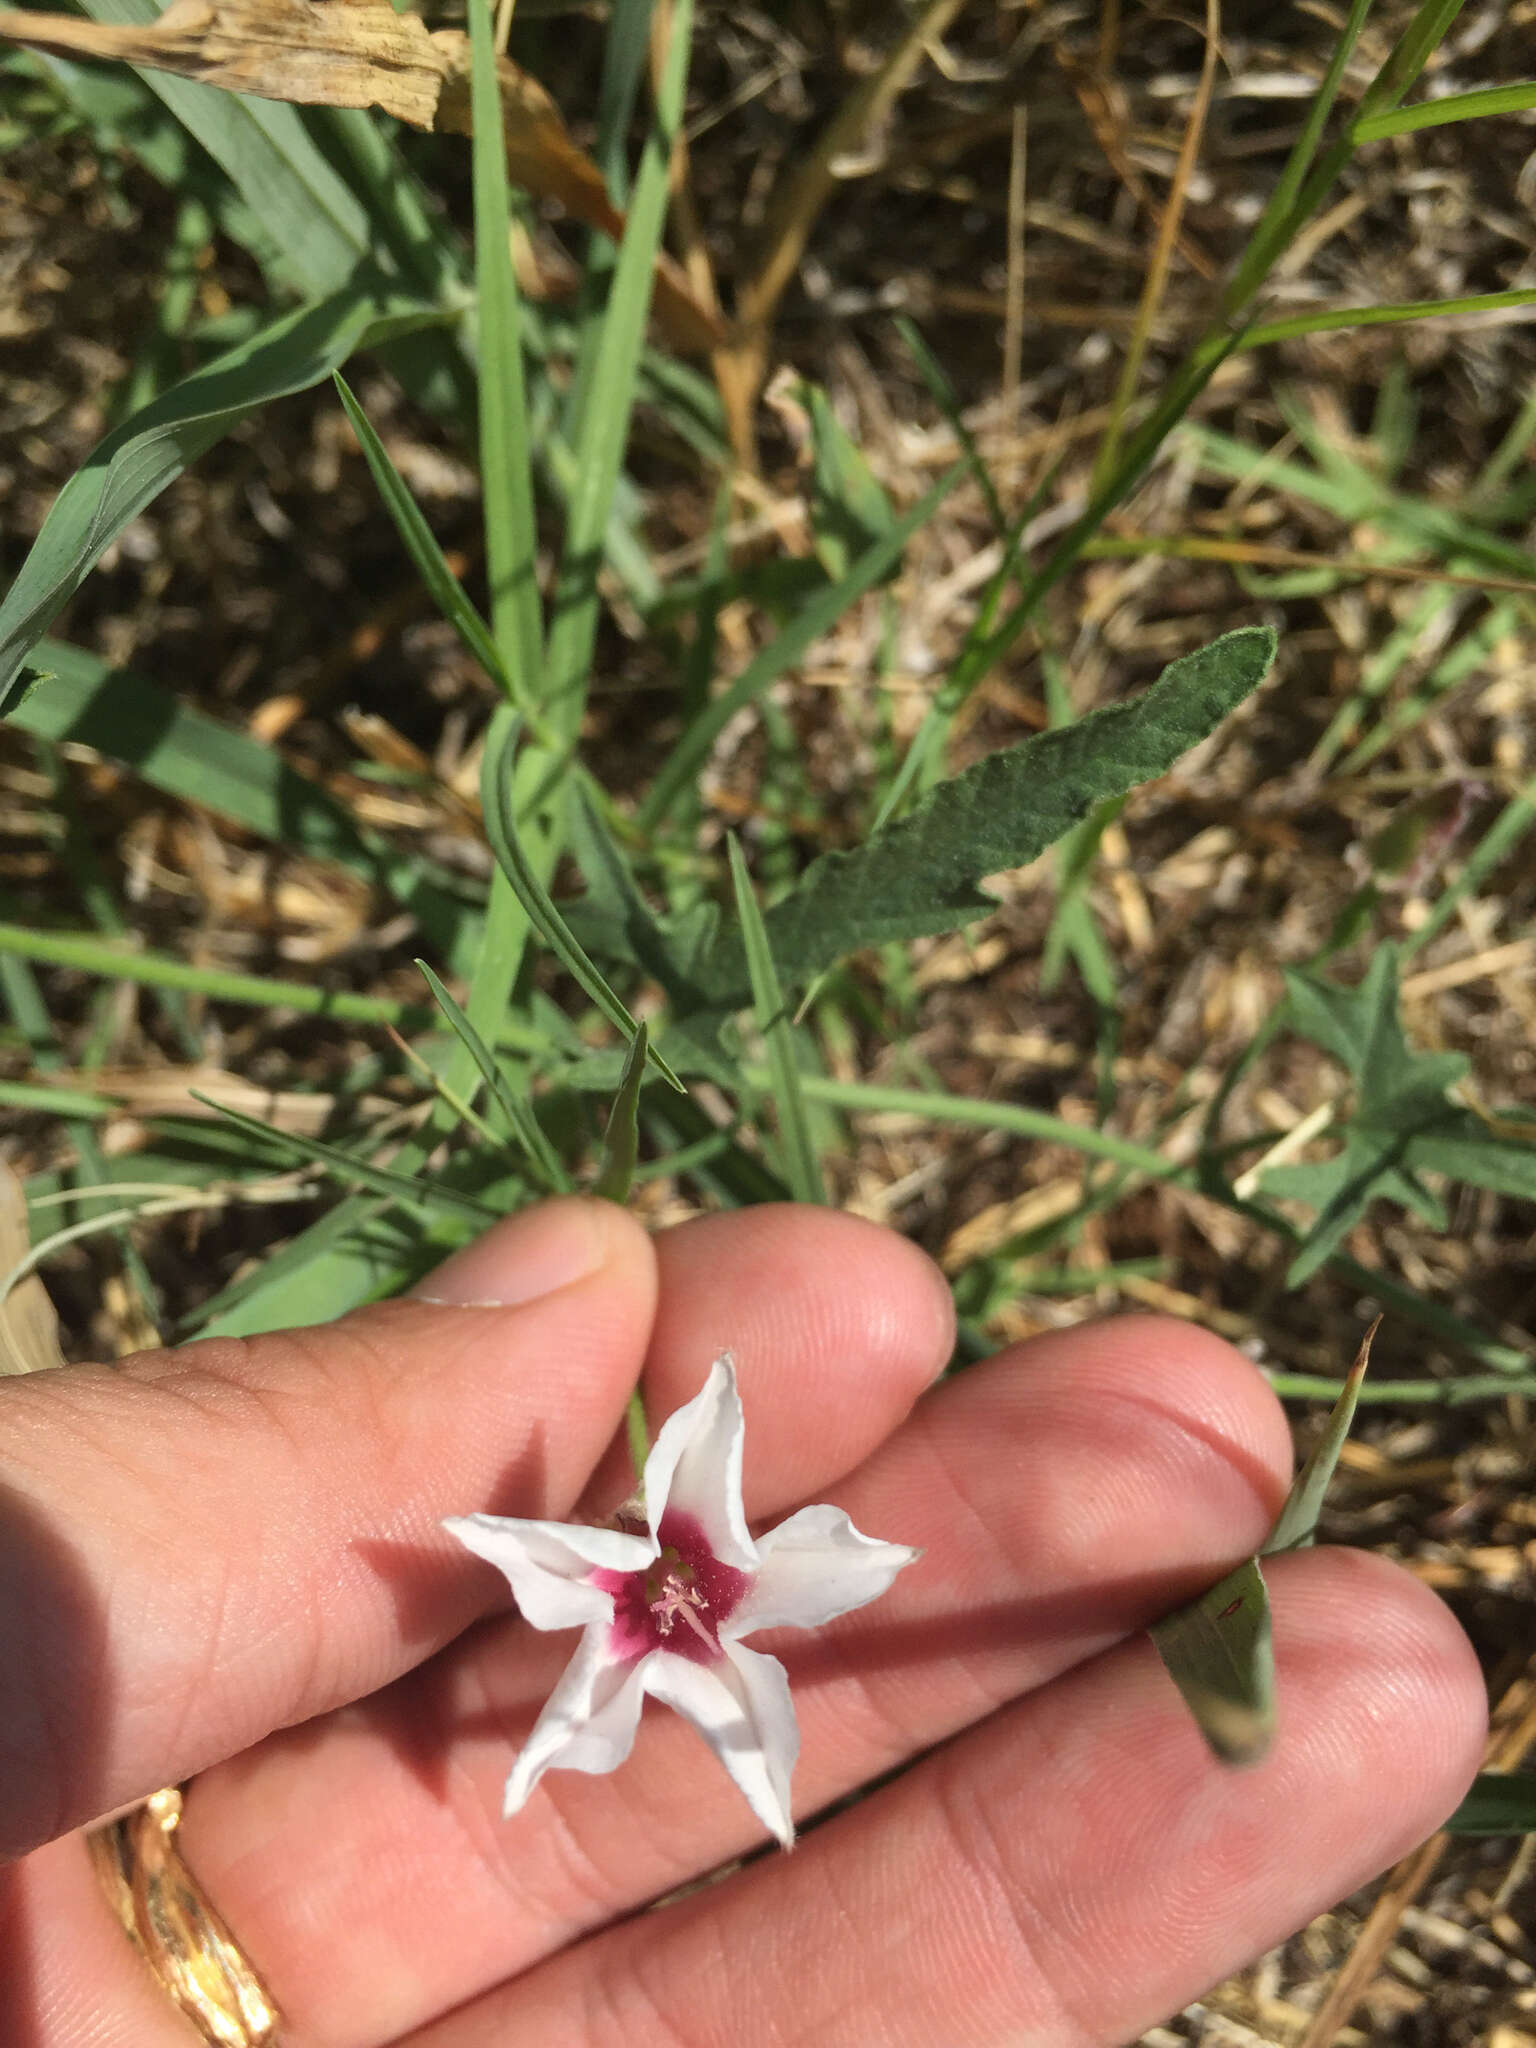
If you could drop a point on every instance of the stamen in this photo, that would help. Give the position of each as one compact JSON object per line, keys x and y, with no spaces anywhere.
{"x":679,"y":1600}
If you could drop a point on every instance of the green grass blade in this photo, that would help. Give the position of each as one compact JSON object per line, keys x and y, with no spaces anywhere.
{"x":133,"y":465}
{"x":183,"y":752}
{"x":444,"y":588}
{"x":511,"y":531}
{"x":316,"y":228}
{"x":1277,"y":228}
{"x":621,"y":1141}
{"x":356,"y":1253}
{"x":1327,"y":319}
{"x":1456,"y":106}
{"x":1219,"y":1652}
{"x":1497,"y":844}
{"x":1277,"y":224}
{"x":625,"y":49}
{"x":802,"y":1168}
{"x":421,"y":1193}
{"x":35,"y":1099}
{"x":1136,"y":457}
{"x":514,"y":862}
{"x":1297,"y":1522}
{"x":1016,"y":1119}
{"x":942,"y":393}
{"x":351,"y":1254}
{"x":610,"y":397}
{"x":519,"y":1115}
{"x":817,"y":618}
{"x":402,"y":213}
{"x":91,"y":955}
{"x":1412,"y":51}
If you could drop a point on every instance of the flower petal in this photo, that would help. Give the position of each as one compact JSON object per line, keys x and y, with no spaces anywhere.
{"x":695,"y":1467}
{"x":588,"y":1722}
{"x":549,"y":1564}
{"x":742,"y":1708}
{"x":814,"y":1567}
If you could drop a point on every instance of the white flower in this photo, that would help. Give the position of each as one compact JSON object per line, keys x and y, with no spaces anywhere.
{"x":664,"y":1611}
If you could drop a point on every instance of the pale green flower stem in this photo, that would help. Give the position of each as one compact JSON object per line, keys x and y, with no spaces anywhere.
{"x":639,"y":1439}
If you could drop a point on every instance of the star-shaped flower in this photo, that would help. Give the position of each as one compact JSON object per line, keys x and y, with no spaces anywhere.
{"x":664,"y":1611}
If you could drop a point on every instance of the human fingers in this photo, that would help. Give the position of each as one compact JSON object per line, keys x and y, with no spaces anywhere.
{"x":806,"y":1297}
{"x":1067,"y":1873}
{"x":1065,"y":1493}
{"x":203,"y":1544}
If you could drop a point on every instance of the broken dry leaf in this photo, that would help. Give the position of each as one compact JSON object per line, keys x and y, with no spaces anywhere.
{"x":29,"y":1329}
{"x":350,"y":53}
{"x":361,"y":53}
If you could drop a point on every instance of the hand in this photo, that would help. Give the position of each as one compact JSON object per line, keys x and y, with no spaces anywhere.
{"x":203,"y":1546}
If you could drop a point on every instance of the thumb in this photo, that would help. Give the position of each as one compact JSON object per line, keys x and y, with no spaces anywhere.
{"x":201,"y":1545}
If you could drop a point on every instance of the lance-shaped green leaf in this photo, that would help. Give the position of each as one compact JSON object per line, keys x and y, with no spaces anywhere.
{"x":1219,"y":1650}
{"x":89,"y":954}
{"x":423,"y":1193}
{"x":920,"y":875}
{"x":317,"y":228}
{"x":183,"y":752}
{"x":801,"y":1167}
{"x":850,"y":512}
{"x":524,"y":1125}
{"x":501,"y":830}
{"x":1498,"y":1803}
{"x":621,"y":1141}
{"x":1298,"y":1518}
{"x":133,"y":465}
{"x":420,"y":543}
{"x":617,"y":921}
{"x":788,"y":647}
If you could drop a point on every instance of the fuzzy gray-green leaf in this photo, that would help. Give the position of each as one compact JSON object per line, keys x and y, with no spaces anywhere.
{"x":920,"y":875}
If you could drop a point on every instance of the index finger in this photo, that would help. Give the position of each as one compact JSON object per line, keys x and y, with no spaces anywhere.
{"x":202,"y":1545}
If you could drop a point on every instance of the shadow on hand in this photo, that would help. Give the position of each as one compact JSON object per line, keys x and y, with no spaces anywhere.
{"x":56,"y":1692}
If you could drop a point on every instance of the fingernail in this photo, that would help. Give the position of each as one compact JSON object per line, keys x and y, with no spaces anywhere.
{"x":526,"y":1256}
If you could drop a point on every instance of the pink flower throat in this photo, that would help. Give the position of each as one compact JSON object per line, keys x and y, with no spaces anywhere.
{"x":677,"y":1603}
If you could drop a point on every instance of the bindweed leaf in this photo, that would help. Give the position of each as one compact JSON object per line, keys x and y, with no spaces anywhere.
{"x":1401,"y":1123}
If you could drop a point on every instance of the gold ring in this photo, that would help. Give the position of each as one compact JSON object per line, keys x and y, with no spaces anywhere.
{"x":178,"y":1931}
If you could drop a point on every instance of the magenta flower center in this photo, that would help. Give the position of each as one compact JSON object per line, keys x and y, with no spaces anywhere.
{"x":677,"y":1603}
